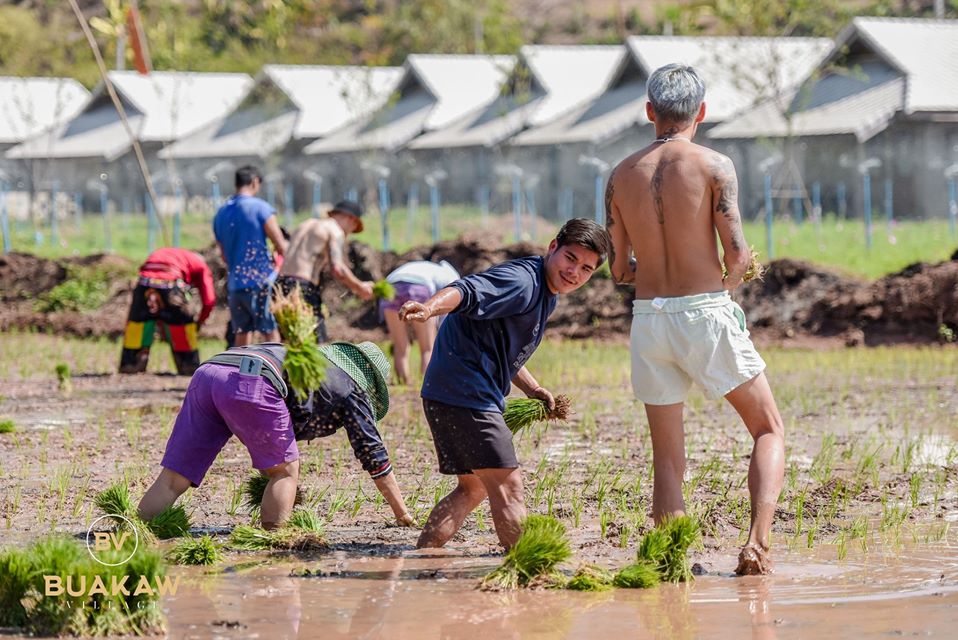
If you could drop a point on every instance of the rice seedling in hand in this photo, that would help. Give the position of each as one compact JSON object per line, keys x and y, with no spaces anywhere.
{"x":590,"y":577}
{"x":253,"y":490}
{"x":666,"y":546}
{"x":304,"y":365}
{"x":521,"y":413}
{"x":541,"y":546}
{"x":641,"y":575}
{"x":196,"y":551}
{"x":115,"y":501}
{"x":383,"y":290}
{"x":755,"y":271}
{"x":63,"y":378}
{"x":172,"y":522}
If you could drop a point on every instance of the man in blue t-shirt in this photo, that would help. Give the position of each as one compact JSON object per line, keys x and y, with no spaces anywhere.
{"x":497,"y":319}
{"x":241,"y":227}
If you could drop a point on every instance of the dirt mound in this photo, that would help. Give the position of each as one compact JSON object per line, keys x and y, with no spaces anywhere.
{"x":795,"y":300}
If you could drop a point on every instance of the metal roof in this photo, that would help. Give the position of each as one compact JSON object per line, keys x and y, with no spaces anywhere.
{"x":737,"y":71}
{"x":161,"y":107}
{"x":926,"y":51}
{"x":30,"y":105}
{"x":890,"y":65}
{"x":434,"y":92}
{"x":546,"y":81}
{"x":291,"y":102}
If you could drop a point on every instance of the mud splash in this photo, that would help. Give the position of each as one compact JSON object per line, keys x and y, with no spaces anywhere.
{"x":423,"y":596}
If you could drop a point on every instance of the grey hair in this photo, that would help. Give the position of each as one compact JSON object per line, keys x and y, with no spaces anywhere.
{"x":676,"y":91}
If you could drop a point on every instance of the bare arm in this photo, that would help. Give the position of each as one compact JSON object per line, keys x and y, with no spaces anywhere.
{"x":275,"y":235}
{"x":530,"y":386}
{"x":621,"y":262}
{"x":388,"y":486}
{"x":728,"y":221}
{"x":342,"y":272}
{"x":445,"y":301}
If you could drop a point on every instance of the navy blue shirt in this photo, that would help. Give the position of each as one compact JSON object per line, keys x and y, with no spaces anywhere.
{"x":490,"y":335}
{"x":240,"y":227}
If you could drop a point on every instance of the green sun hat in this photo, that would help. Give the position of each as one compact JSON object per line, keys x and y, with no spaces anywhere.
{"x":369,"y":368}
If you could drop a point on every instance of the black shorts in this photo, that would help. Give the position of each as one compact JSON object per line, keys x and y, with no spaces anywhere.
{"x":467,"y":439}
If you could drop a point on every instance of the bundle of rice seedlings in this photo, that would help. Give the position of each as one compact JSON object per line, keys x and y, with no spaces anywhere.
{"x":172,"y":522}
{"x":383,"y":290}
{"x":7,"y":426}
{"x":305,"y":366}
{"x":303,"y":531}
{"x":521,"y":413}
{"x":63,"y":378}
{"x":541,"y":546}
{"x":115,"y":501}
{"x":253,"y":490}
{"x":755,"y":271}
{"x":640,"y":575}
{"x":196,"y":551}
{"x":590,"y":577}
{"x":25,"y":606}
{"x":666,"y":547}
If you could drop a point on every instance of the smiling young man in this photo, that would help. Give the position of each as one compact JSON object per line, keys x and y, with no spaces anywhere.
{"x":497,"y":319}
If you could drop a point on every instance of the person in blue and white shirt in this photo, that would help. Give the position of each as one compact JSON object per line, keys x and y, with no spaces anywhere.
{"x":418,"y":281}
{"x":496,"y":320}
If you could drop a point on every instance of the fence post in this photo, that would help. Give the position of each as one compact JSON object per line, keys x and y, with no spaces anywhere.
{"x":177,"y":215}
{"x":842,"y":198}
{"x":105,"y":212}
{"x":78,"y":210}
{"x":5,"y":219}
{"x":290,"y":206}
{"x":889,"y":201}
{"x":768,"y":216}
{"x":952,"y":205}
{"x":317,"y":196}
{"x":484,"y":204}
{"x":412,"y":204}
{"x":867,"y":196}
{"x":384,"y":211}
{"x":54,"y":217}
{"x":517,"y":204}
{"x":150,"y":224}
{"x":798,"y":207}
{"x":531,"y":208}
{"x":817,"y":201}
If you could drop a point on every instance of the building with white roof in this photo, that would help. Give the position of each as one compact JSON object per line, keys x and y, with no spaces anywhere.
{"x":547,"y":80}
{"x":887,"y":91}
{"x":737,"y":71}
{"x":28,"y":107}
{"x":161,"y":108}
{"x":288,"y":107}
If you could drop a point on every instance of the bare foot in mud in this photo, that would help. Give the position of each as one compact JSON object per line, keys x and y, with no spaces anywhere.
{"x":753,"y":560}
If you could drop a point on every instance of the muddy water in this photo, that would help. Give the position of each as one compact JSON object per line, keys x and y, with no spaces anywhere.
{"x":414,"y":596}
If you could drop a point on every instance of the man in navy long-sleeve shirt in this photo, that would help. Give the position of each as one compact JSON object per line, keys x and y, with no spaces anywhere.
{"x":497,"y":319}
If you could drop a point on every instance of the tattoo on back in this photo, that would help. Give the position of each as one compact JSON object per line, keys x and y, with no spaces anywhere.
{"x":658,"y":180}
{"x":609,"y":220}
{"x":725,"y":198}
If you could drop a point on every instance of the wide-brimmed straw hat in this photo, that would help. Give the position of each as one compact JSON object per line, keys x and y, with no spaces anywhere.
{"x":369,"y":368}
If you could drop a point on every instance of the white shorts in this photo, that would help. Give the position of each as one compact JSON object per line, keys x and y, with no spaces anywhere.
{"x":700,"y":338}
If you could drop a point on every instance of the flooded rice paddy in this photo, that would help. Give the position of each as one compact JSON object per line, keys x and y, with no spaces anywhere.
{"x":865,"y":537}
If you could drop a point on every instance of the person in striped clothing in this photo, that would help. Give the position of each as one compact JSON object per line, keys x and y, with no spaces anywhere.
{"x":162,"y":300}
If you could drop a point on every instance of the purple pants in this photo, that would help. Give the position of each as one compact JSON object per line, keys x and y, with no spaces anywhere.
{"x":219,"y":403}
{"x":404,"y":293}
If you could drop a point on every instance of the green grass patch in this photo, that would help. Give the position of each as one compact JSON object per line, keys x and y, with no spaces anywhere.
{"x":7,"y":426}
{"x":25,"y":606}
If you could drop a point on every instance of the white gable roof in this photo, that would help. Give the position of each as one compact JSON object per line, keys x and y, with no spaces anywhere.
{"x":552,"y":80}
{"x":329,"y":97}
{"x":31,"y":105}
{"x":434,"y":92}
{"x":175,"y":103}
{"x":738,"y":72}
{"x":926,"y":51}
{"x":161,"y":107}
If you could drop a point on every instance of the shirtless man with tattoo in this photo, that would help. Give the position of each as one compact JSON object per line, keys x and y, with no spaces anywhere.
{"x":319,"y":242}
{"x":664,"y":205}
